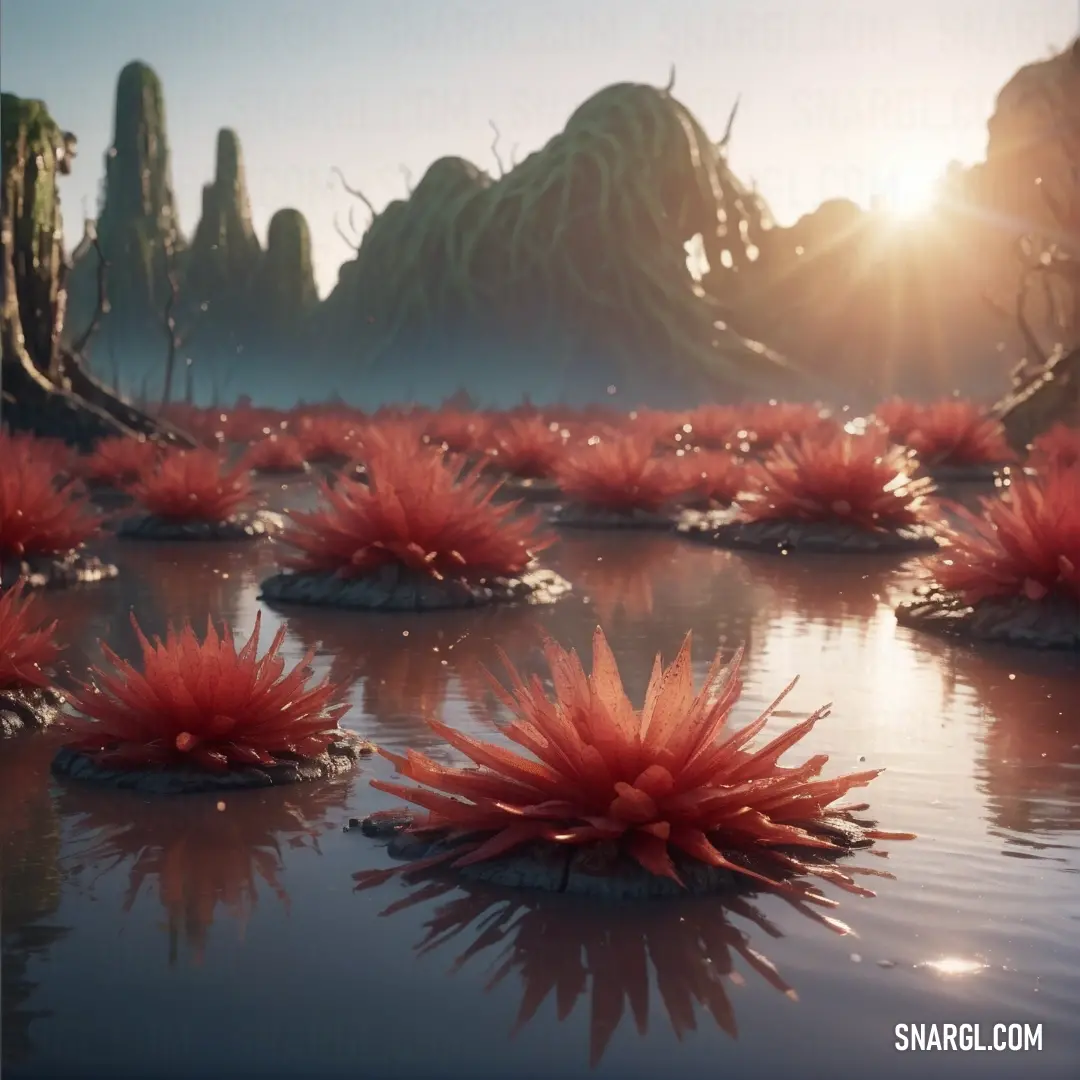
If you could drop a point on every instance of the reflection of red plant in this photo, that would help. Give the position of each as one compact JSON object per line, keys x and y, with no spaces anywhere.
{"x":36,"y":516}
{"x":957,"y":433}
{"x":897,"y":416}
{"x":1058,"y":448}
{"x":527,"y":447}
{"x":861,"y":479}
{"x":421,"y":513}
{"x":620,"y":473}
{"x":1027,"y":542}
{"x":26,"y":647}
{"x":712,"y":475}
{"x":206,"y":855}
{"x":206,"y":705}
{"x":671,"y":777}
{"x":118,"y":460}
{"x":276,"y":453}
{"x":193,"y":485}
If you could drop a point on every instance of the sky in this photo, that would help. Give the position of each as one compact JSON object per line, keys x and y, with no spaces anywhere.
{"x":861,"y":99}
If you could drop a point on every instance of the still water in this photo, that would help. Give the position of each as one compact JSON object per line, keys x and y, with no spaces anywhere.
{"x":169,"y":938}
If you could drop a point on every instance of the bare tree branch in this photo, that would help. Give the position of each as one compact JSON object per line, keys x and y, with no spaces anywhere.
{"x":170,"y":325}
{"x":356,"y":193}
{"x":722,"y":145}
{"x":90,"y":238}
{"x":406,"y":172}
{"x":353,"y":245}
{"x":671,"y":80}
{"x":495,"y":148}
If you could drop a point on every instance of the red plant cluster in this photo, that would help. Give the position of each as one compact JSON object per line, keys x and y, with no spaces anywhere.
{"x":529,"y":448}
{"x":118,"y":460}
{"x":26,"y":646}
{"x":713,"y":427}
{"x":763,"y":426}
{"x":861,"y":479}
{"x":672,"y":777}
{"x":328,"y":438}
{"x":898,"y":417}
{"x":621,"y":473}
{"x":954,"y":432}
{"x":420,"y":512}
{"x":461,"y":432}
{"x":279,"y":452}
{"x":204,"y":704}
{"x":712,"y":475}
{"x":1026,"y":543}
{"x":194,"y":485}
{"x":37,"y":517}
{"x":1058,"y":448}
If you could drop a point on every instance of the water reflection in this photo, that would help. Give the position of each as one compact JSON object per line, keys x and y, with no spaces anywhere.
{"x":608,"y":959}
{"x":30,"y":885}
{"x":201,"y":855}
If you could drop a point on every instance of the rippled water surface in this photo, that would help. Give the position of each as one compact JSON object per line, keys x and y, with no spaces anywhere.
{"x":170,"y":938}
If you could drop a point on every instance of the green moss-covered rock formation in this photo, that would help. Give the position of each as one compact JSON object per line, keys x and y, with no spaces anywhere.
{"x":283,"y":289}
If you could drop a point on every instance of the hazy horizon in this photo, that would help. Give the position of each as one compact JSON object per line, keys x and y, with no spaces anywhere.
{"x":837,"y":100}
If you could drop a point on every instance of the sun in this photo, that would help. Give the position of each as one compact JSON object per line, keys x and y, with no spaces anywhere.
{"x":911,"y":191}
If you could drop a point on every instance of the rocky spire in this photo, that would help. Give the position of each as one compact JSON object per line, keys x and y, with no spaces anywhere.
{"x":285,"y":285}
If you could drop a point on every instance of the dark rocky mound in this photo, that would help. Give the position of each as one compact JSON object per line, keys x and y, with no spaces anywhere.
{"x":57,"y":572}
{"x":1050,"y":623}
{"x":340,"y":757}
{"x":574,"y":516}
{"x":238,"y":527}
{"x":599,"y":870}
{"x":28,"y":709}
{"x":394,"y":588}
{"x":785,"y":536}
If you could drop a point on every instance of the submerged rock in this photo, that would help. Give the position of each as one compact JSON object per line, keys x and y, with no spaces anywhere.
{"x":599,"y":870}
{"x":28,"y":709}
{"x":573,"y":515}
{"x":982,"y":473}
{"x":528,"y":490}
{"x":783,"y":536}
{"x":394,"y":588}
{"x":340,"y":757}
{"x":1050,"y":623}
{"x":54,"y":572}
{"x":238,"y":527}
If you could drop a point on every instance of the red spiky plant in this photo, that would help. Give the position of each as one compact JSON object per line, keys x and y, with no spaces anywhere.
{"x":712,"y":476}
{"x":1058,"y":448}
{"x":38,"y":517}
{"x":461,"y":432}
{"x":860,"y":479}
{"x":204,"y":704}
{"x":118,"y":460}
{"x":620,"y":473}
{"x":897,"y":416}
{"x":1025,"y":543}
{"x":328,"y":438}
{"x":956,"y":432}
{"x":194,"y":485}
{"x":527,"y":447}
{"x":763,"y":426}
{"x":713,"y":427}
{"x":670,"y":778}
{"x":277,"y":452}
{"x":53,"y":452}
{"x":420,"y":512}
{"x":27,"y":646}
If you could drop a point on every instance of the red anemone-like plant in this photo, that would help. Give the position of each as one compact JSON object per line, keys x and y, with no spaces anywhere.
{"x":26,"y":646}
{"x":712,"y":476}
{"x":621,"y":473}
{"x":897,"y":416}
{"x":957,"y":433}
{"x":670,"y":778}
{"x":763,"y":426}
{"x":527,"y":447}
{"x":193,"y":485}
{"x":1026,"y":543}
{"x":860,"y":479}
{"x":1058,"y":448}
{"x":712,"y":427}
{"x":420,"y":512}
{"x":118,"y":460}
{"x":461,"y":432}
{"x":36,"y":516}
{"x":205,"y":704}
{"x":279,"y":452}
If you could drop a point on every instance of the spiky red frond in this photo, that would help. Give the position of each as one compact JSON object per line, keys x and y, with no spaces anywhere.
{"x":1058,"y":448}
{"x":38,"y":516}
{"x":897,"y":416}
{"x":418,"y":511}
{"x":763,"y":426}
{"x":278,"y":452}
{"x":205,"y":704}
{"x":712,"y":475}
{"x":956,"y":432}
{"x":328,"y":438}
{"x":26,"y":646}
{"x":55,"y":453}
{"x":713,"y":426}
{"x":527,"y":447}
{"x":670,"y":777}
{"x":194,"y":485}
{"x":1025,"y":543}
{"x":861,"y":479}
{"x":620,"y":473}
{"x":461,"y":432}
{"x":118,"y":460}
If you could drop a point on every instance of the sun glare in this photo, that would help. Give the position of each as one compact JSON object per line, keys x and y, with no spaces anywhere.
{"x":912,"y":192}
